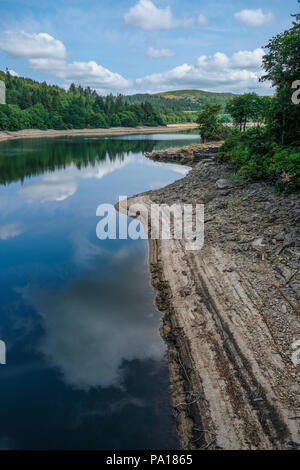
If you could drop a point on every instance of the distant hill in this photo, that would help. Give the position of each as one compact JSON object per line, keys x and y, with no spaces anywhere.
{"x":182,"y":100}
{"x":197,"y":96}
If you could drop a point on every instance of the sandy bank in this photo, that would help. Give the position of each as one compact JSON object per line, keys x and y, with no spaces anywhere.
{"x":36,"y":133}
{"x":231,"y":312}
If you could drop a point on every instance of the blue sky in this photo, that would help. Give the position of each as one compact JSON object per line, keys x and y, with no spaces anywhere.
{"x":141,"y":45}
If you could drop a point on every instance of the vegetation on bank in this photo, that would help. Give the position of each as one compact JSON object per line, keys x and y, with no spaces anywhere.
{"x":31,"y":104}
{"x":271,"y":151}
{"x":181,"y":106}
{"x":36,"y":105}
{"x":255,"y":153}
{"x":210,"y":123}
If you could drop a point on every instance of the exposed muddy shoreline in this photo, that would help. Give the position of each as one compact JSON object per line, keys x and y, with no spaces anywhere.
{"x":231,"y":310}
{"x":113,"y":131}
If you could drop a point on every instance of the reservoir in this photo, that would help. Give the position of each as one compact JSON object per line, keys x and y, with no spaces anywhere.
{"x":85,"y":365}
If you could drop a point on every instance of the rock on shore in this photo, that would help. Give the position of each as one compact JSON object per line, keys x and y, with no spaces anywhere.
{"x":189,"y":155}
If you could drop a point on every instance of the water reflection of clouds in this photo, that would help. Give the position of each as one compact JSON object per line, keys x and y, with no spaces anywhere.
{"x":111,"y":408}
{"x":93,"y":325}
{"x":182,"y":170}
{"x":10,"y":231}
{"x":61,"y":184}
{"x":85,"y":250}
{"x":49,"y":188}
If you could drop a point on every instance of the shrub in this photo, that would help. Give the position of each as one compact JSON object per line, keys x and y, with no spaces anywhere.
{"x":255,"y":155}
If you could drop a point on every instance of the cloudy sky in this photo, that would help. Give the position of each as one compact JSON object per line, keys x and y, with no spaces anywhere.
{"x":132,"y":46}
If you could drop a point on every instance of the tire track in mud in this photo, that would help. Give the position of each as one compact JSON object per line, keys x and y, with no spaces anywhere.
{"x":270,"y":420}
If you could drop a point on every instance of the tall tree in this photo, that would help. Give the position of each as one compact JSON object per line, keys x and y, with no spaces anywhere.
{"x":209,"y":120}
{"x":246,"y":107}
{"x":282,"y":69}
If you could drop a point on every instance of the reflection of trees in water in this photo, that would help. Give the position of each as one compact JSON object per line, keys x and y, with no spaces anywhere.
{"x":30,"y":158}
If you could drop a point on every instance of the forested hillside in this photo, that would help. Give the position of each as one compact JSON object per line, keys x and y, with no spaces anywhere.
{"x":182,"y":105}
{"x":198,"y":97}
{"x":31,"y":104}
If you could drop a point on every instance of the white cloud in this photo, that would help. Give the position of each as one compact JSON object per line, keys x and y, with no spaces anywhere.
{"x":218,"y":72}
{"x":158,"y":53}
{"x":254,"y":18}
{"x":53,"y":66}
{"x":46,"y":54}
{"x":10,"y":231}
{"x":13,"y":73}
{"x":62,"y":184}
{"x":146,"y":15}
{"x":202,"y":20}
{"x":86,"y":73}
{"x":23,"y":44}
{"x":248,"y":59}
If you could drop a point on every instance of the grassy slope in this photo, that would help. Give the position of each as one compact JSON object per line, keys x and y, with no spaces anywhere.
{"x":194,"y":95}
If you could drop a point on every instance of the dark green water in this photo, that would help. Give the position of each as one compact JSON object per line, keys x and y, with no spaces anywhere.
{"x":85,"y":363}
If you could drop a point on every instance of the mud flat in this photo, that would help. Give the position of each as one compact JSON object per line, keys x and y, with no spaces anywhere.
{"x":231,"y":315}
{"x":113,"y":131}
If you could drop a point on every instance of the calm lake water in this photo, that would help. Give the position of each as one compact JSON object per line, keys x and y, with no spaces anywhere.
{"x":85,"y":362}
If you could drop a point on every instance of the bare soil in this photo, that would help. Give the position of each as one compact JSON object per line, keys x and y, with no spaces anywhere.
{"x":36,"y":133}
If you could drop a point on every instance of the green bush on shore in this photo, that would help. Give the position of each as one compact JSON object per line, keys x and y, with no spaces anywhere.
{"x":254,"y":154}
{"x":273,"y":151}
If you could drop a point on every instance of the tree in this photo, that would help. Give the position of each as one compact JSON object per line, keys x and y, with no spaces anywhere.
{"x":209,"y":120}
{"x":282,"y":67}
{"x":115,"y":121}
{"x":4,"y":121}
{"x":246,"y":107}
{"x":97,"y":120}
{"x":39,"y":116}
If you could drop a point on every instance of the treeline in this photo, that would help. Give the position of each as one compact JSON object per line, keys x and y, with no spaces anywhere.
{"x":162,"y":103}
{"x":35,"y":105}
{"x":31,"y":104}
{"x":271,"y":151}
{"x":182,"y":106}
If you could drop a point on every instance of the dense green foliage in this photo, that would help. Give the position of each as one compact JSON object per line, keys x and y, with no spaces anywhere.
{"x":195,"y":99}
{"x":282,"y":68}
{"x":37,"y":105}
{"x":182,"y":105}
{"x":255,"y":154}
{"x":273,"y":151}
{"x":210,"y":124}
{"x":31,"y":104}
{"x":248,"y":107}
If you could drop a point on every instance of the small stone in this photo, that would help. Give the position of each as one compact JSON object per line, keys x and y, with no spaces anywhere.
{"x":289,"y":241}
{"x":247,"y":220}
{"x":279,"y":237}
{"x":283,"y":308}
{"x":223,"y":184}
{"x":225,"y":229}
{"x":294,"y":388}
{"x":222,"y":205}
{"x":258,"y":242}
